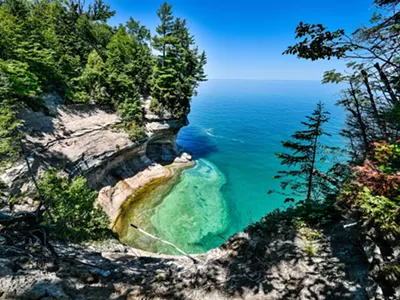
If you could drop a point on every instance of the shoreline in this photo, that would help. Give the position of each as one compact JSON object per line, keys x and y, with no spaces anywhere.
{"x":113,"y":198}
{"x":143,"y":199}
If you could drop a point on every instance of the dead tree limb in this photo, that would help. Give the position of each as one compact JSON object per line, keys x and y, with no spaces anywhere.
{"x":39,"y":211}
{"x":195,"y":260}
{"x":326,"y":177}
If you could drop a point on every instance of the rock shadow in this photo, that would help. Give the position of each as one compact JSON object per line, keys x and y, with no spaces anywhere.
{"x":258,"y":264}
{"x":196,"y":142}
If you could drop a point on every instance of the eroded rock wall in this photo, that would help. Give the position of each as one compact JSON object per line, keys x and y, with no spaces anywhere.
{"x":90,"y":140}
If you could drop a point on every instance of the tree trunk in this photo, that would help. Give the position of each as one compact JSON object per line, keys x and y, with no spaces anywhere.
{"x":314,"y":154}
{"x":359,"y":117}
{"x":386,"y":82}
{"x":380,"y":122}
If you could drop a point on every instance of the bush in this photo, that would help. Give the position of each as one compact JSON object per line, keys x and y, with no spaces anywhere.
{"x":383,"y":211}
{"x":387,"y":157}
{"x":72,"y":214}
{"x":135,"y":131}
{"x":9,"y":135}
{"x":131,"y":110}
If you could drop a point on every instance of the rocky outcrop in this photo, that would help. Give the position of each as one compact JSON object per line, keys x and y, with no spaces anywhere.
{"x":89,"y":140}
{"x":111,"y":198}
{"x":259,"y":263}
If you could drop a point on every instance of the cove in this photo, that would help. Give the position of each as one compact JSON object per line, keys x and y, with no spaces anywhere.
{"x":236,"y":127}
{"x":188,"y":210}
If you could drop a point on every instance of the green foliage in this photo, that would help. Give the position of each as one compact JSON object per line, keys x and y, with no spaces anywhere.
{"x":69,"y":47}
{"x":383,"y":211}
{"x":309,"y":233}
{"x":303,"y":155}
{"x":134,"y":130}
{"x":93,"y":77}
{"x":310,"y":249}
{"x":388,"y":157}
{"x":9,"y":135}
{"x":391,"y":273}
{"x":21,"y":83}
{"x":318,"y":42}
{"x":179,"y":67}
{"x":131,"y":110}
{"x":71,"y":211}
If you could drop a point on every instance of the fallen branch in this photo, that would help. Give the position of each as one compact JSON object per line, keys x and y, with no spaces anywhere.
{"x":195,"y":260}
{"x":39,"y":212}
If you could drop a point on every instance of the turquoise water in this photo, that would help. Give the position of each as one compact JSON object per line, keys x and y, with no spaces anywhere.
{"x":236,"y":127}
{"x":195,"y":213}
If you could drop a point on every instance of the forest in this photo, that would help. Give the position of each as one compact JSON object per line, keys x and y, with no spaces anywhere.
{"x":67,"y":47}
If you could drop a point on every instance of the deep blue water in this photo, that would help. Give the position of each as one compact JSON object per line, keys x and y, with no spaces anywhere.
{"x":238,"y":125}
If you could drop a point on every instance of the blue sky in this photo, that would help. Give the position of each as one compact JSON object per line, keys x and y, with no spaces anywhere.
{"x":245,"y":39}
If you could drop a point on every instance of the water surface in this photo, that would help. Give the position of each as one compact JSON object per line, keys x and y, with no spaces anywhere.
{"x":236,"y":127}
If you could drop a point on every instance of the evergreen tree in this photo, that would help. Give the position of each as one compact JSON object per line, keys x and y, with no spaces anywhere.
{"x":303,"y":155}
{"x":100,"y":11}
{"x":179,"y":67}
{"x":164,"y":76}
{"x":121,"y":71}
{"x":142,"y":67}
{"x":165,"y":39}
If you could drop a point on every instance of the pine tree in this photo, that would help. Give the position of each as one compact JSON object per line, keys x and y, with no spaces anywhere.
{"x":164,"y":30}
{"x":165,"y":75}
{"x":302,"y":158}
{"x":142,"y":67}
{"x":179,"y":67}
{"x":121,"y":69}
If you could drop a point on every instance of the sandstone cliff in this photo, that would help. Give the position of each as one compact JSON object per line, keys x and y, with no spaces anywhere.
{"x":89,"y":140}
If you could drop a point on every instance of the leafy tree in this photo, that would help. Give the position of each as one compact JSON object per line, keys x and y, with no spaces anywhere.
{"x":71,"y":211}
{"x":371,"y":99}
{"x":94,"y":76}
{"x":303,"y":155}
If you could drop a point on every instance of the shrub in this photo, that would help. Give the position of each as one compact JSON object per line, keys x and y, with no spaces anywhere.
{"x":131,"y":110}
{"x":135,"y":131}
{"x":383,"y":211}
{"x":9,"y":135}
{"x":72,"y":214}
{"x":387,"y":157}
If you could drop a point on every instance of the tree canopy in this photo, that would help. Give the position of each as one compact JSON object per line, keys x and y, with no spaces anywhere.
{"x":67,"y":47}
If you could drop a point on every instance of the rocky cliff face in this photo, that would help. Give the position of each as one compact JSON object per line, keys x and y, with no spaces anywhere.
{"x":89,"y":140}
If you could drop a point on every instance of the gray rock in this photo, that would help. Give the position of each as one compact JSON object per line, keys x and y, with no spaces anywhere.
{"x":42,"y":290}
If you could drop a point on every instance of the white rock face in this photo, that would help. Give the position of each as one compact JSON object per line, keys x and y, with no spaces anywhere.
{"x":184,"y":158}
{"x":87,"y":139}
{"x":112,"y":197}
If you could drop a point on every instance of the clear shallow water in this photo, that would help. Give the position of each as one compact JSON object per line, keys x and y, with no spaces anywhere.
{"x":236,"y":127}
{"x":195,"y":213}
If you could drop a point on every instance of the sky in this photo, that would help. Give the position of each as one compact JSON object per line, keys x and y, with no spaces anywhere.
{"x":245,"y":39}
